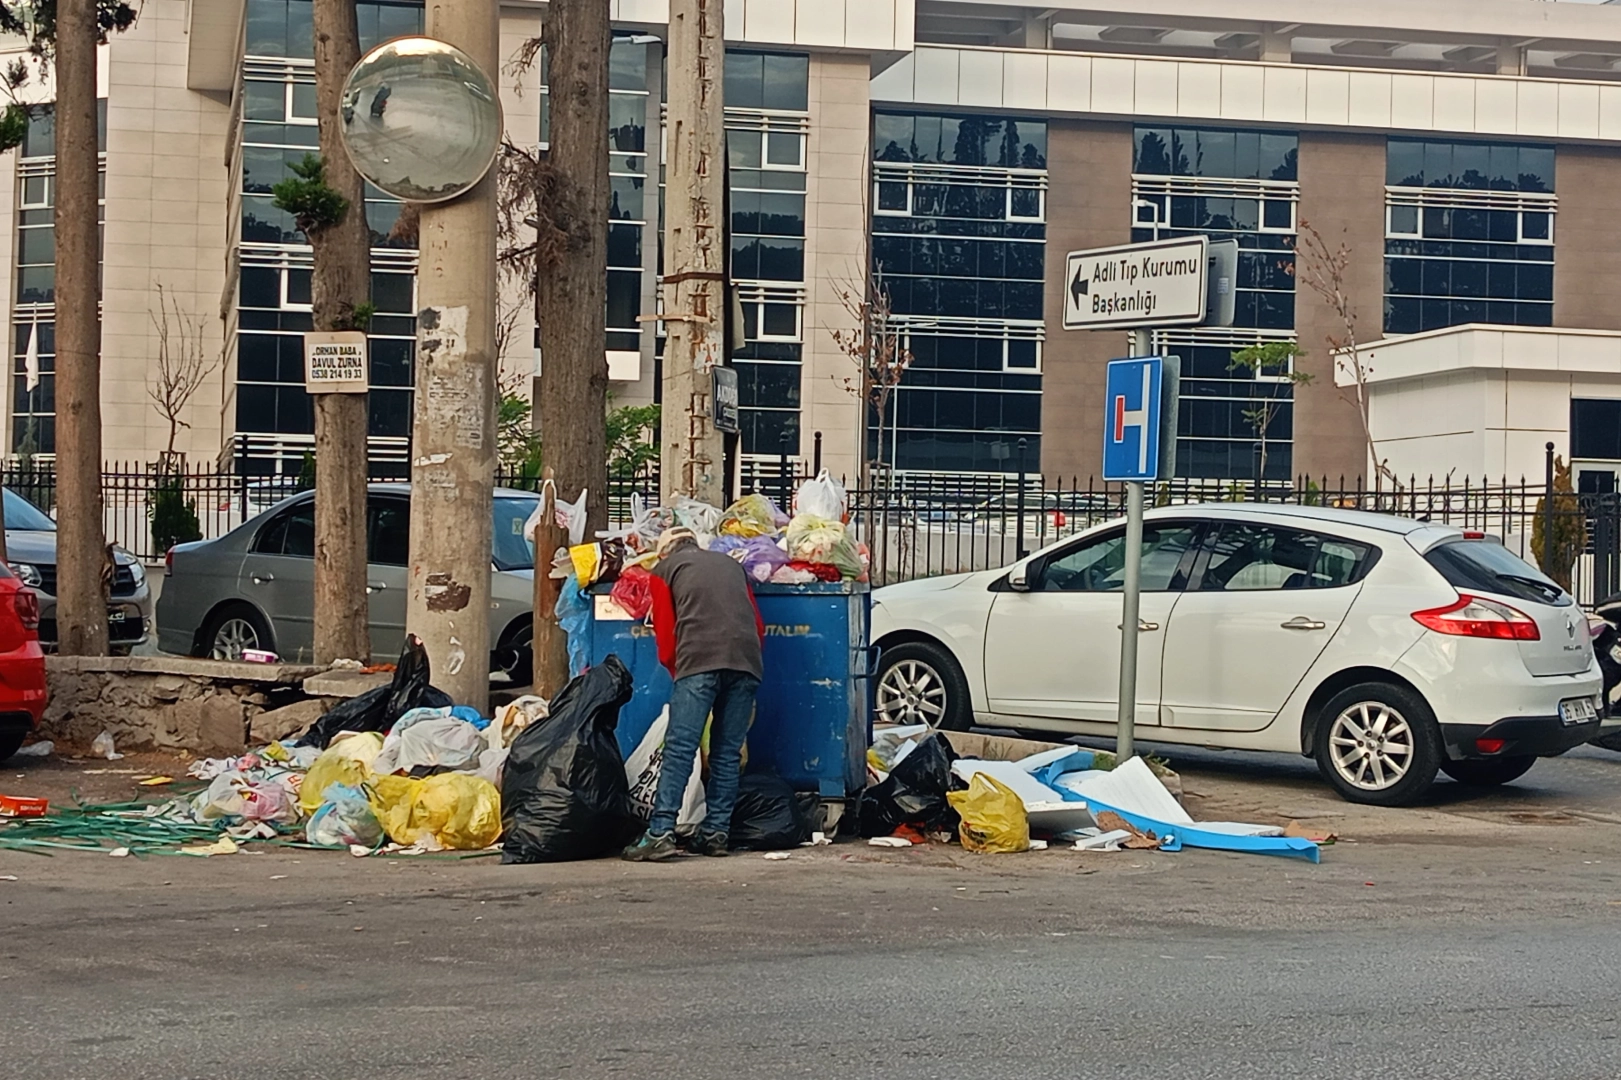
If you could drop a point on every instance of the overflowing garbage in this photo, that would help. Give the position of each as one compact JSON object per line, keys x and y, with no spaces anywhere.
{"x":812,"y":544}
{"x":923,"y":790}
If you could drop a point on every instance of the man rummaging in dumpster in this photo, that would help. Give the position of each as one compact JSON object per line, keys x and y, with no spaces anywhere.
{"x":709,"y":632}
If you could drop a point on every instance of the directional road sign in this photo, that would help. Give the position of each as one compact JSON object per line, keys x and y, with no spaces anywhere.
{"x":1131,"y":419}
{"x":1162,"y":283}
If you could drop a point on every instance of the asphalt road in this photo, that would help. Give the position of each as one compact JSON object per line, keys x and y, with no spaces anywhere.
{"x":1477,"y":938}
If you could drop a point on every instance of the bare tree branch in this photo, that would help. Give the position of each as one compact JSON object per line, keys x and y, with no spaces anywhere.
{"x":1323,"y":268}
{"x":184,"y":363}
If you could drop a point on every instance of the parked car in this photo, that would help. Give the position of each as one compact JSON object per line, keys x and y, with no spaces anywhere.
{"x":31,"y":551}
{"x":22,"y":663}
{"x":1387,"y":649}
{"x":254,"y":587}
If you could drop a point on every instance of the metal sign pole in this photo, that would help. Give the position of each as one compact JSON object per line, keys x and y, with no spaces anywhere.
{"x":1126,"y":717}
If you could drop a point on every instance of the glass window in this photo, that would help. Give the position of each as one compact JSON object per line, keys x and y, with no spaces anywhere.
{"x":1595,"y":428}
{"x":291,"y":532}
{"x":1490,"y":567}
{"x":388,"y":531}
{"x":1246,"y":557}
{"x":1098,"y":565}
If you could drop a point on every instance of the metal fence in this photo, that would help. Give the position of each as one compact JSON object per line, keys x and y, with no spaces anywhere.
{"x":916,"y":527}
{"x":926,"y":525}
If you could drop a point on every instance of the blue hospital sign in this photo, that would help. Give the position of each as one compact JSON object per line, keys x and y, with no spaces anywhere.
{"x":1131,"y":420}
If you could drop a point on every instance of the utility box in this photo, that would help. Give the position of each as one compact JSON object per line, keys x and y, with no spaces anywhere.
{"x":813,"y":716}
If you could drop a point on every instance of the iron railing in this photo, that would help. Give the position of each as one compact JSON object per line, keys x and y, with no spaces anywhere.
{"x":921,"y":525}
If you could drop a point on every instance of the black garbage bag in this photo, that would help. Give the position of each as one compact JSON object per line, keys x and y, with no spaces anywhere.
{"x":770,"y":815}
{"x":915,"y":792}
{"x":376,"y":710}
{"x":563,"y":792}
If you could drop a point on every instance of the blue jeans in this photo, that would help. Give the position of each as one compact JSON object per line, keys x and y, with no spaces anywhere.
{"x":729,"y":697}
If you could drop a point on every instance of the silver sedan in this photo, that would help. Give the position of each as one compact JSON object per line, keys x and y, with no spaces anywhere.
{"x":254,"y":587}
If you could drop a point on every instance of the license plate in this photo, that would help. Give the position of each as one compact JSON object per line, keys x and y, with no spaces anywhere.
{"x":1579,"y":710}
{"x":115,"y":616}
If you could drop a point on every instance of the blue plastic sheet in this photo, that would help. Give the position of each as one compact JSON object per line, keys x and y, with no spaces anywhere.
{"x":574,"y":616}
{"x":1177,"y":835}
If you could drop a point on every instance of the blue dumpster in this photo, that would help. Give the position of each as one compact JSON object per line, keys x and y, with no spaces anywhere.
{"x":812,"y":722}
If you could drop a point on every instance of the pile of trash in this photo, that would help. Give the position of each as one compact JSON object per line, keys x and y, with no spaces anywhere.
{"x":395,"y":772}
{"x":814,"y":544}
{"x":922,"y":790}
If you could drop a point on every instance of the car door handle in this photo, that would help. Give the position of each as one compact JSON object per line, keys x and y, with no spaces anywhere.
{"x":1143,"y":626}
{"x":260,"y":579}
{"x":376,"y":586}
{"x":1300,"y":622}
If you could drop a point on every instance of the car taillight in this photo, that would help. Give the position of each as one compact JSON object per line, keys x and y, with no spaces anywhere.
{"x":27,"y":605}
{"x":1489,"y":746}
{"x":168,"y":563}
{"x":1474,"y":616}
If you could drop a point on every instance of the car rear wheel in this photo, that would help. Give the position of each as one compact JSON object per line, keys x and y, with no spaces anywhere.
{"x":919,"y":682}
{"x":1378,"y":743}
{"x":1488,"y":772}
{"x":232,"y":629}
{"x":10,"y":742}
{"x":515,"y":654}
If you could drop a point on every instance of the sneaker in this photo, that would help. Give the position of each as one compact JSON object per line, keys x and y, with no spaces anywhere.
{"x":716,"y":844}
{"x":651,"y":848}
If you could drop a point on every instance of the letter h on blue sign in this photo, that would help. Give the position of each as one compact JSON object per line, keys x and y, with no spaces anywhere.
{"x":1131,"y":419}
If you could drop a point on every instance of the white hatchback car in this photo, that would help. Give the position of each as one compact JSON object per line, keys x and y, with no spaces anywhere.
{"x":1385,"y":648}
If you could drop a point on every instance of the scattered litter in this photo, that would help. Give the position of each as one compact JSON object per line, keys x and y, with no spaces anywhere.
{"x":914,"y":793}
{"x":1303,"y":832}
{"x":223,"y":846}
{"x":1046,"y":809}
{"x":119,"y":852}
{"x":889,"y":841}
{"x":1038,"y":845}
{"x":346,"y":664}
{"x":278,"y":877}
{"x":8,"y":877}
{"x":993,"y":817}
{"x":40,"y":749}
{"x":817,"y":839}
{"x":22,"y":806}
{"x":1103,"y":841}
{"x":259,"y":656}
{"x":102,"y":746}
{"x":777,"y":856}
{"x":156,"y":781}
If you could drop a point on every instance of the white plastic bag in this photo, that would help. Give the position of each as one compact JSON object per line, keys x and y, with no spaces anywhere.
{"x":822,"y":497}
{"x":102,"y":747}
{"x":570,"y":516}
{"x":344,"y":819}
{"x":642,"y":772}
{"x":428,"y":740}
{"x":700,"y":517}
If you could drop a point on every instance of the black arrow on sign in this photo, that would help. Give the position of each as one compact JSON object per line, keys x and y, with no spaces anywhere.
{"x":1078,"y":287}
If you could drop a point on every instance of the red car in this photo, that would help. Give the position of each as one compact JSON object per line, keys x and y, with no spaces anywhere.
{"x":22,"y":664}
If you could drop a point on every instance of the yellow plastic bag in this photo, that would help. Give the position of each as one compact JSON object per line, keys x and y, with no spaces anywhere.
{"x":587,"y":560}
{"x":450,"y":811}
{"x":346,"y":761}
{"x":752,"y":515}
{"x":993,"y":817}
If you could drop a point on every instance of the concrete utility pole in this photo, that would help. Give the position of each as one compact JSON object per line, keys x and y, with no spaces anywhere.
{"x":81,"y":597}
{"x":695,"y":253}
{"x":453,"y":441}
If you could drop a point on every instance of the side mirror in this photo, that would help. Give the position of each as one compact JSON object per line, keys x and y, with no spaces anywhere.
{"x":1018,"y":579}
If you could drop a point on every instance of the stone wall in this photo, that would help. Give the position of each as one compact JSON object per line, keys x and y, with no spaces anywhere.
{"x":161,"y":702}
